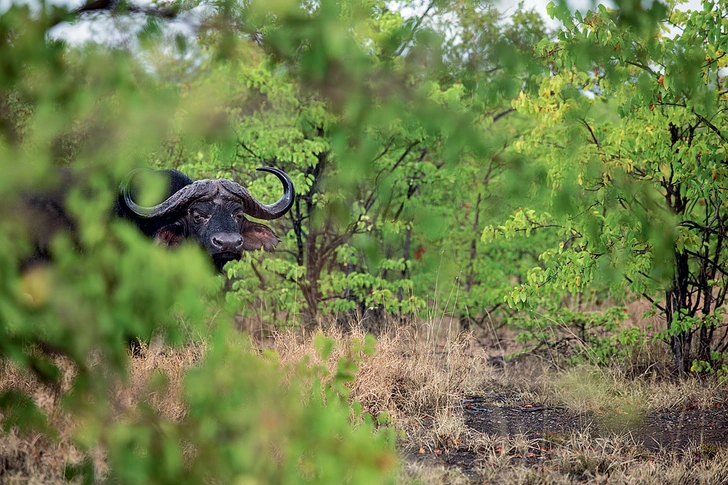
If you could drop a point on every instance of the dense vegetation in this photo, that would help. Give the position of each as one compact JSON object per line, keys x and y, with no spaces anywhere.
{"x":446,"y":158}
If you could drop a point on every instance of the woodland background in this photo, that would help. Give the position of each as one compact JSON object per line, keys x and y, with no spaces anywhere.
{"x":449,"y":162}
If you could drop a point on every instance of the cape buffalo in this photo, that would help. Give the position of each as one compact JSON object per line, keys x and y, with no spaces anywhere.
{"x":212,"y":212}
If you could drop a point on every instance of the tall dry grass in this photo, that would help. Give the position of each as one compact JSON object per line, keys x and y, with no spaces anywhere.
{"x":416,"y":381}
{"x":34,"y":457}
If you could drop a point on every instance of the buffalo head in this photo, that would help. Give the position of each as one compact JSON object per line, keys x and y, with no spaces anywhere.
{"x":213,"y":212}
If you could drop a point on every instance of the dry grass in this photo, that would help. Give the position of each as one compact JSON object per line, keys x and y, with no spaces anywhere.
{"x":156,"y":377}
{"x":35,"y":458}
{"x":420,"y":375}
{"x":584,"y":459}
{"x":588,"y":388}
{"x":417,"y":381}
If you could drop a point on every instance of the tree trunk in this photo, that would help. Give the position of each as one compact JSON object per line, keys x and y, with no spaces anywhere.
{"x":406,"y":255}
{"x":465,"y":318}
{"x":676,"y":308}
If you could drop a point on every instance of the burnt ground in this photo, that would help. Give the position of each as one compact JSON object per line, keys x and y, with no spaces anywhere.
{"x":504,"y":415}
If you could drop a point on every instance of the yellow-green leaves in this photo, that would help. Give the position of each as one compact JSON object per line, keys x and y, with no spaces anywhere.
{"x":522,"y":221}
{"x":631,"y":131}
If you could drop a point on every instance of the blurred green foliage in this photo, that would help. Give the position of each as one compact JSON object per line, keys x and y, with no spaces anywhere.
{"x":98,"y":112}
{"x":444,"y":158}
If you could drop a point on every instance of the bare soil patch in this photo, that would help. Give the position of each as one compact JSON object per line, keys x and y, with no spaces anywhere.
{"x":534,"y":434}
{"x":677,"y":428}
{"x":666,"y":429}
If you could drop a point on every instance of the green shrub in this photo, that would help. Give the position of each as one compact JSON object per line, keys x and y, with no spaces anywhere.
{"x":65,"y":324}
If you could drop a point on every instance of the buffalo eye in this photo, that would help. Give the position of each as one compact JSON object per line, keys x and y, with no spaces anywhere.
{"x":198,"y":218}
{"x":239,"y":215}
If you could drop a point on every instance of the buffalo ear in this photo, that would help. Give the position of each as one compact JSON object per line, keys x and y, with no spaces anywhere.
{"x":170,"y":235}
{"x":256,"y":236}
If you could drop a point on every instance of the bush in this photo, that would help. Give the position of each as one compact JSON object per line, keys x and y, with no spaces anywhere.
{"x":65,"y":323}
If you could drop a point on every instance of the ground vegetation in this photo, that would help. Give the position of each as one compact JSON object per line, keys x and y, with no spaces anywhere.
{"x":505,"y":261}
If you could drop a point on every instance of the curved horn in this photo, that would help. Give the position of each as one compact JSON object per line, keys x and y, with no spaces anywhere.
{"x":176,"y":201}
{"x":262,"y":211}
{"x":206,"y":188}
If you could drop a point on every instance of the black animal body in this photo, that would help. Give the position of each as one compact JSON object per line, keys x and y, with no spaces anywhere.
{"x":212,"y":212}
